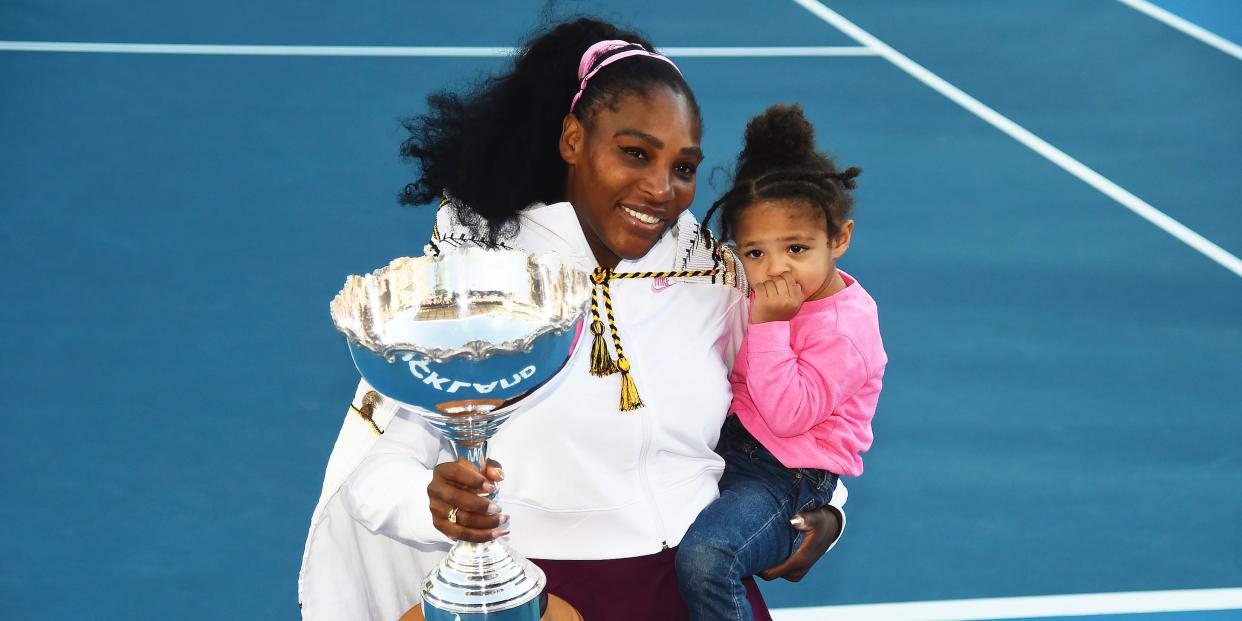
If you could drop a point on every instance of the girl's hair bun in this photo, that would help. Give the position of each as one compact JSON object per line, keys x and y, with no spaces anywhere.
{"x":779,"y":162}
{"x":847,"y":178}
{"x":779,"y":138}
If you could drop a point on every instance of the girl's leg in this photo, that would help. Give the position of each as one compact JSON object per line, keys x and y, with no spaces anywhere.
{"x":743,"y":532}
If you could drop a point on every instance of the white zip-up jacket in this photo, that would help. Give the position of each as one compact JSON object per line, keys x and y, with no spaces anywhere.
{"x":583,"y":480}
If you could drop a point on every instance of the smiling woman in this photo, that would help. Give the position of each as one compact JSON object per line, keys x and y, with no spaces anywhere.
{"x":587,"y":147}
{"x":502,"y":147}
{"x":632,"y":170}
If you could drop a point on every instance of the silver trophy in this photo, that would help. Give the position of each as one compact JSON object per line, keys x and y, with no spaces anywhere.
{"x":459,"y":338}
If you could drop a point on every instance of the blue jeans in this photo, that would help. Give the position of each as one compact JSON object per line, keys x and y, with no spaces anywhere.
{"x":747,"y":529}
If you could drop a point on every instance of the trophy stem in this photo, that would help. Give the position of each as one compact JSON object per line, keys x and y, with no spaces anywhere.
{"x":483,"y":581}
{"x":474,"y":452}
{"x":479,"y":581}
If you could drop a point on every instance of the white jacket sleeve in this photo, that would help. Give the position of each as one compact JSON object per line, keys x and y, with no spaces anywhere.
{"x":837,"y":503}
{"x":387,"y":492}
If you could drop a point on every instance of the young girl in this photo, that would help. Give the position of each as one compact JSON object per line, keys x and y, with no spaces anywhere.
{"x":808,"y":376}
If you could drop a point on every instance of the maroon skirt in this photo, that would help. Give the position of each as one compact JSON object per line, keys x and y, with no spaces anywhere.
{"x":623,"y":589}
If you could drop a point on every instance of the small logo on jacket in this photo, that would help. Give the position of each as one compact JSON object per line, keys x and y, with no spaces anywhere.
{"x":660,"y":283}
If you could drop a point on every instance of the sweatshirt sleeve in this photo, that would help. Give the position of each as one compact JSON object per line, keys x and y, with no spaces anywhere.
{"x":387,"y":492}
{"x":794,"y":391}
{"x":733,"y":330}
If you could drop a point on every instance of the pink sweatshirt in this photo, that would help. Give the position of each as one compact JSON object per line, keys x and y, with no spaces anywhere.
{"x":807,"y":388}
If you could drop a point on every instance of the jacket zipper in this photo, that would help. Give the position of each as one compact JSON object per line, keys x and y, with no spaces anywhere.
{"x":646,"y":480}
{"x":642,"y":467}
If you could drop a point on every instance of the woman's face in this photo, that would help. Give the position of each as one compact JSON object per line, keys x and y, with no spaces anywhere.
{"x":632,"y":171}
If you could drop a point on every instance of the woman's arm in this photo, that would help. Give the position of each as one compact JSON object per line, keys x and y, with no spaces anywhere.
{"x":387,"y":491}
{"x":821,"y":530}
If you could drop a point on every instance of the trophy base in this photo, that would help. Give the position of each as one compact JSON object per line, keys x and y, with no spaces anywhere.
{"x":530,"y":611}
{"x":484,"y":582}
{"x":556,"y":610}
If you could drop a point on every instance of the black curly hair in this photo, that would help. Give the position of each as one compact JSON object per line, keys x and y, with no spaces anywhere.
{"x":495,"y":149}
{"x":779,"y":161}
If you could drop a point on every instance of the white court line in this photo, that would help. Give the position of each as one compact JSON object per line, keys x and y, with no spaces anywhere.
{"x":251,"y":50}
{"x":1035,"y":143}
{"x":1024,"y":607}
{"x":760,"y":52}
{"x":398,"y":51}
{"x":1198,"y":32}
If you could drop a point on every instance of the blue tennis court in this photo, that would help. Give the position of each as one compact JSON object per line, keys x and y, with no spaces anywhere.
{"x":1048,"y":219}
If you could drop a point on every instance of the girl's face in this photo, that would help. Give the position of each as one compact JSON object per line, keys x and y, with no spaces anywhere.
{"x":632,"y":171}
{"x":778,"y":236}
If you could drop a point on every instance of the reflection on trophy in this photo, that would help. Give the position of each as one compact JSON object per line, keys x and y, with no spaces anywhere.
{"x":459,"y":339}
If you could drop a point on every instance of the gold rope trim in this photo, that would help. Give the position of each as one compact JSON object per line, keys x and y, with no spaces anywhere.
{"x":688,"y":274}
{"x":435,"y":224}
{"x":601,"y":364}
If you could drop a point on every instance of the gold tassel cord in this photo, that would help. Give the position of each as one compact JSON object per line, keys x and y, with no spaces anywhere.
{"x":601,"y":364}
{"x":629,"y":391}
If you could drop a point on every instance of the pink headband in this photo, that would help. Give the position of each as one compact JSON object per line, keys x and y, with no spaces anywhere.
{"x":585,"y":72}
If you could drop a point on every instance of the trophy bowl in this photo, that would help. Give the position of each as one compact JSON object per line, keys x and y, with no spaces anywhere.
{"x":459,"y":339}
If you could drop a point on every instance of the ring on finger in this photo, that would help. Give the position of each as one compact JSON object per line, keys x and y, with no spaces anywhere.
{"x":452,"y":516}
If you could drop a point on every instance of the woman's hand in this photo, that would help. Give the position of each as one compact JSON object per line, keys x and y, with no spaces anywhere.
{"x":460,"y":485}
{"x":822,"y":527}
